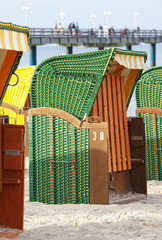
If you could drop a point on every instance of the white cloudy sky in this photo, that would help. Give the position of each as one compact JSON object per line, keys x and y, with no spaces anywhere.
{"x":44,"y":13}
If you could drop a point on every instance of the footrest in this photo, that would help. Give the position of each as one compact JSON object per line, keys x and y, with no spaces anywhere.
{"x":9,"y":233}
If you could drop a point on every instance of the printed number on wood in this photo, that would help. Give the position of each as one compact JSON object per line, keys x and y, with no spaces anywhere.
{"x":99,"y":136}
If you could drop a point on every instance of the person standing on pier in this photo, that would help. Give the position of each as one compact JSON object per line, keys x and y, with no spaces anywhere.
{"x":100,"y":31}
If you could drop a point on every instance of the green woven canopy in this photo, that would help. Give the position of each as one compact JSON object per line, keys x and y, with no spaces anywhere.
{"x":149,"y":88}
{"x":71,"y":82}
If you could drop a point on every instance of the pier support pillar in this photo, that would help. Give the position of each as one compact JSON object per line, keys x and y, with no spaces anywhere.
{"x":32,"y":55}
{"x":153,"y":54}
{"x":69,"y":50}
{"x":129,"y":47}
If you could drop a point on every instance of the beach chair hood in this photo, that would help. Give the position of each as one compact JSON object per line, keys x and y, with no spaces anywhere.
{"x":71,"y":82}
{"x":13,"y":42}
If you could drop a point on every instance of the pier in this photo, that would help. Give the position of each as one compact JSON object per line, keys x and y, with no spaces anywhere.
{"x":91,"y":38}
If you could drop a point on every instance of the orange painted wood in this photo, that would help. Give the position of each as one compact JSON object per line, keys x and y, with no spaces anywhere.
{"x":2,"y":234}
{"x":6,"y":68}
{"x":11,"y":139}
{"x":121,"y":125}
{"x":100,"y":104}
{"x":111,"y":124}
{"x":116,"y":124}
{"x":11,"y":181}
{"x":10,"y":233}
{"x":106,"y":118}
{"x":125,"y":126}
{"x":0,"y":159}
{"x":12,"y":196}
{"x":95,"y":108}
{"x":110,"y":106}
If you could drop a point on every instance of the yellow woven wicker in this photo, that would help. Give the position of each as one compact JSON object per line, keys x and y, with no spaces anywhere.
{"x":17,"y":95}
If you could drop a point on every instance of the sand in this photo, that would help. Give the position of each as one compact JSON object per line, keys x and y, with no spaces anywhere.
{"x":137,"y":220}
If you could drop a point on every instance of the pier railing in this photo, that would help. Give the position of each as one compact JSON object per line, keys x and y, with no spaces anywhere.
{"x":39,"y":36}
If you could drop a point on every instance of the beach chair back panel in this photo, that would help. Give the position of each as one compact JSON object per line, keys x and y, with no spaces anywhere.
{"x":59,"y":161}
{"x":148,"y":95}
{"x":153,"y":133}
{"x":110,"y":106}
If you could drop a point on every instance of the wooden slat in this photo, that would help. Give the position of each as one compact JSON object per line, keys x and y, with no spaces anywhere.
{"x":0,"y":158}
{"x":153,"y":110}
{"x":100,"y":104}
{"x":95,"y":108}
{"x":3,"y":234}
{"x":125,"y":126}
{"x":121,"y":126}
{"x":6,"y":67}
{"x":106,"y":118}
{"x":116,"y":124}
{"x":10,"y":233}
{"x":11,"y":107}
{"x":111,"y":123}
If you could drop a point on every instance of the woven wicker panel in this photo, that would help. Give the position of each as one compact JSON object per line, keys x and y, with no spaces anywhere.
{"x":70,"y":82}
{"x":148,"y":93}
{"x":59,"y":161}
{"x":17,"y":95}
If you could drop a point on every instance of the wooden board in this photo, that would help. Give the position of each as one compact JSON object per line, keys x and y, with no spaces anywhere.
{"x":98,"y":166}
{"x":153,"y":110}
{"x":10,"y":233}
{"x":116,"y":123}
{"x":127,"y":145}
{"x":111,"y":124}
{"x":0,"y":159}
{"x":106,"y":118}
{"x":12,"y":196}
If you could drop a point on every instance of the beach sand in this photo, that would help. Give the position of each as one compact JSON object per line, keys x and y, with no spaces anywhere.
{"x":137,"y":220}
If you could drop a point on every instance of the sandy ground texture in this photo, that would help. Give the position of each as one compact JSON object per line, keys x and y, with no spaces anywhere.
{"x":137,"y":220}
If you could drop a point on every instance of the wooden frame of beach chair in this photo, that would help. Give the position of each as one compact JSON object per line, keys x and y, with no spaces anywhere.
{"x":13,"y":43}
{"x":124,"y":157}
{"x":20,"y":112}
{"x":13,"y":162}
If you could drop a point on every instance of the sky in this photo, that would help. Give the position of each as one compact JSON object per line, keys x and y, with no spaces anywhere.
{"x":45,"y":13}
